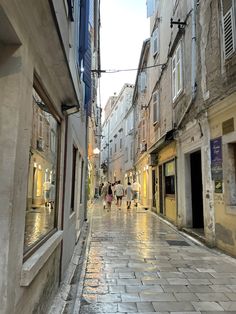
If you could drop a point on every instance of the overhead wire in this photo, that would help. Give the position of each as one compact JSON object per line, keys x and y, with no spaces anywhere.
{"x":110,"y":71}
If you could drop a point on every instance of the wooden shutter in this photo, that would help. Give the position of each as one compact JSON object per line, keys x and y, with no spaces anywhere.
{"x":228,"y":28}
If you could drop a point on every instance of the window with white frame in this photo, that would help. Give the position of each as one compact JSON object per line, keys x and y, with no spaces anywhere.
{"x":229,"y":33}
{"x":155,"y":42}
{"x":177,"y":73}
{"x":156,"y":107}
{"x":142,"y":81}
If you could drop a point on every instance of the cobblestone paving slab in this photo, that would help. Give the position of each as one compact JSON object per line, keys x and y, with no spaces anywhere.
{"x":137,"y":263}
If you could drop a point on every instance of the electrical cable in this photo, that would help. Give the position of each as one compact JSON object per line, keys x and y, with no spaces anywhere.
{"x":126,"y":70}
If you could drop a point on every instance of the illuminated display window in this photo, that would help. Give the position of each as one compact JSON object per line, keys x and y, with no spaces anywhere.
{"x":170,"y":178}
{"x":40,"y":219}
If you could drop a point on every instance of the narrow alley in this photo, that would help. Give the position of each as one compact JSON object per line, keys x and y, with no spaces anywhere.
{"x":137,"y":263}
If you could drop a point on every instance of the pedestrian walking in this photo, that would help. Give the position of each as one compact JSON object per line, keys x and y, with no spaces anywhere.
{"x":113,"y":186}
{"x":52,"y":195}
{"x":104,"y":194}
{"x":136,"y":187}
{"x":109,"y":197}
{"x":119,"y":190}
{"x":129,"y":195}
{"x":46,"y":190}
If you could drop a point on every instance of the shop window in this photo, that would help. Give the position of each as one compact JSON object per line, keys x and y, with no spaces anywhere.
{"x":81,"y":182}
{"x":40,"y":219}
{"x":231,"y":174}
{"x":73,"y":183}
{"x":170,"y":178}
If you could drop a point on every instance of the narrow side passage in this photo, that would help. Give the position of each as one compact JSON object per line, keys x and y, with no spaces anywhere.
{"x":138,"y":264}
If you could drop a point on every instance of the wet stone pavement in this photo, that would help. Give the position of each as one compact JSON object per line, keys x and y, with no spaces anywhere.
{"x":137,"y":263}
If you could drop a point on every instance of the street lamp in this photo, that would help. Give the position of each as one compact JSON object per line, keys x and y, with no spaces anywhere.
{"x":96,"y":151}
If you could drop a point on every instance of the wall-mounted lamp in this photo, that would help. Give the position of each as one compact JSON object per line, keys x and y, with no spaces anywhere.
{"x":69,"y":109}
{"x":96,"y":151}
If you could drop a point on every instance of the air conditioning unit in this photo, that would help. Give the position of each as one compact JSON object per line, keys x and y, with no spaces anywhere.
{"x":40,"y":144}
{"x":143,"y":147}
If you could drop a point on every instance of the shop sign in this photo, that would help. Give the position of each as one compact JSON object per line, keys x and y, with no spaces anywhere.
{"x":216,"y":159}
{"x":170,"y":168}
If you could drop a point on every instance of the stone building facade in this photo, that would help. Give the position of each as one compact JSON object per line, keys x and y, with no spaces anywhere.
{"x":190,"y":104}
{"x":44,"y":151}
{"x":116,"y":149}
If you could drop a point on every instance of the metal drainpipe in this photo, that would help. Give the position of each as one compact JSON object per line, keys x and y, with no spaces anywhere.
{"x":194,"y":5}
{"x":193,"y":59}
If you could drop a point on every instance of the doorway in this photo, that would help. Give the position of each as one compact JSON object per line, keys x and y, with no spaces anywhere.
{"x":196,"y":188}
{"x":161,"y":190}
{"x":153,"y":188}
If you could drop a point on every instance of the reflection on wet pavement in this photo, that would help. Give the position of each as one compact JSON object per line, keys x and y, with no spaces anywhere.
{"x":138,"y":264}
{"x":38,"y":222}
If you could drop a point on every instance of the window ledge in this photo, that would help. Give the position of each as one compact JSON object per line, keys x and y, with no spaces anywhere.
{"x":178,"y":97}
{"x":32,"y":266}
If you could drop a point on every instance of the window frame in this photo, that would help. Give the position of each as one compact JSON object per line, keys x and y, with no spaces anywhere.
{"x":156,"y":108}
{"x":155,"y":42}
{"x":74,"y":168}
{"x":175,"y":63}
{"x":171,"y":177}
{"x":40,"y":90}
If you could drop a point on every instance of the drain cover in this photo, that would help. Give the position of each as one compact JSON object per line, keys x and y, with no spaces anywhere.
{"x":101,"y":239}
{"x":177,"y":243}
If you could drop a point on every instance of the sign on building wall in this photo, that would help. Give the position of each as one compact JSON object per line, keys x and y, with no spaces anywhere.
{"x":216,"y":159}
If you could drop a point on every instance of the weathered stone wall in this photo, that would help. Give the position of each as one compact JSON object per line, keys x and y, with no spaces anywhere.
{"x":35,"y":48}
{"x":38,"y":297}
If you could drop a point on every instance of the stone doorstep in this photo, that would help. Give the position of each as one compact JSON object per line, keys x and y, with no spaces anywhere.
{"x":195,"y":234}
{"x":65,"y":297}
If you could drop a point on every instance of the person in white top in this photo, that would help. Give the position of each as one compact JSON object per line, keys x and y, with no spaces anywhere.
{"x":129,"y":195}
{"x":46,"y":190}
{"x":136,"y":187}
{"x":119,"y":190}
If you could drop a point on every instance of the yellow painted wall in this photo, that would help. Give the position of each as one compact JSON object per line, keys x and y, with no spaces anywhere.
{"x":143,"y":175}
{"x":167,"y":153}
{"x":225,"y":222}
{"x":170,"y":209}
{"x":225,"y":237}
{"x":170,"y":204}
